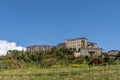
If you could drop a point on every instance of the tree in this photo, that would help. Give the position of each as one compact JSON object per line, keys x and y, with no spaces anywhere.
{"x":79,"y":60}
{"x":106,"y":57}
{"x":117,"y":56}
{"x":95,"y":61}
{"x":60,"y":55}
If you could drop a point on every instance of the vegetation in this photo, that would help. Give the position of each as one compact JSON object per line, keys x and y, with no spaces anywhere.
{"x":65,"y":73}
{"x":21,"y":60}
{"x":58,"y":64}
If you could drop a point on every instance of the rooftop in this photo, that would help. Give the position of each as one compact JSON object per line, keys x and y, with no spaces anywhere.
{"x":39,"y":45}
{"x":76,"y":39}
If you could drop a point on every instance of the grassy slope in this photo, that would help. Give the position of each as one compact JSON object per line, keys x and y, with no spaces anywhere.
{"x":67,"y":73}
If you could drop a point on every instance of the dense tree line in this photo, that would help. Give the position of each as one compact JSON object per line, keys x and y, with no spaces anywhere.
{"x":23,"y":59}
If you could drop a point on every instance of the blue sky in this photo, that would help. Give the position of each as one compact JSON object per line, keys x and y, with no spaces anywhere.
{"x":31,"y":22}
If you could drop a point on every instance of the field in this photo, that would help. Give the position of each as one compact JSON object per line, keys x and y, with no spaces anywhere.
{"x":110,"y":72}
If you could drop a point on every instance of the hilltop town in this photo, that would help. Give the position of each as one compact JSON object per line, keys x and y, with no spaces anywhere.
{"x":71,"y":51}
{"x":79,"y":46}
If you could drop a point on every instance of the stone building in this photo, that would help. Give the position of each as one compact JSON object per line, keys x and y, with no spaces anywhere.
{"x":83,"y":47}
{"x":76,"y":43}
{"x":79,"y":43}
{"x":113,"y":52}
{"x":80,"y":46}
{"x":86,"y":51}
{"x":38,"y":48}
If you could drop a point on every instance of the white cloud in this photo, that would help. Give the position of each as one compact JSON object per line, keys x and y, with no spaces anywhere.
{"x":5,"y":46}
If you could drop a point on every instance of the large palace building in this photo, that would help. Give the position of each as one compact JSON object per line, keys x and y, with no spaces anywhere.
{"x":76,"y":43}
{"x":79,"y":43}
{"x":81,"y":47}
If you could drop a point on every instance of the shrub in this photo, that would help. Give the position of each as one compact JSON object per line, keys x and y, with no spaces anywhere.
{"x":95,"y":61}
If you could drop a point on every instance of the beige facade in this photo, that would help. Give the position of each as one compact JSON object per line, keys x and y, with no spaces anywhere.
{"x":77,"y":54}
{"x":79,"y":43}
{"x":76,"y":43}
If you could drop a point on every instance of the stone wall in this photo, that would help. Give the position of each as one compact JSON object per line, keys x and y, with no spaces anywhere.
{"x":39,"y":48}
{"x":86,"y":51}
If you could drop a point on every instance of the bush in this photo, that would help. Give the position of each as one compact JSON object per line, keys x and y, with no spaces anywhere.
{"x":95,"y":61}
{"x":79,"y":60}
